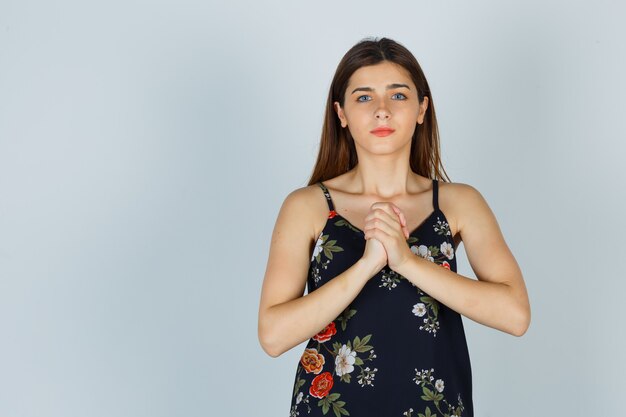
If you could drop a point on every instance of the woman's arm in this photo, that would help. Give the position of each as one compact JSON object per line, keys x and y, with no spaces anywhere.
{"x":286,"y":317}
{"x":499,"y":298}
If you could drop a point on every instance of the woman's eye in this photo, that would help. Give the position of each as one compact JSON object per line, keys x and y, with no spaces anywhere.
{"x":403,"y":97}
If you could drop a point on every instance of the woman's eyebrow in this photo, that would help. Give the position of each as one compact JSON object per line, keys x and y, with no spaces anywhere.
{"x":389,"y":87}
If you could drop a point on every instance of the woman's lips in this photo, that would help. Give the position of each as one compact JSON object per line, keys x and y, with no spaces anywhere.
{"x":382,"y":131}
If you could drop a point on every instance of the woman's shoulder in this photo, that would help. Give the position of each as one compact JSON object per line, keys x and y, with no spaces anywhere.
{"x":460,"y":202}
{"x":456,"y":188}
{"x":310,"y":205}
{"x":311,"y":199}
{"x":306,"y":196}
{"x":457,"y":193}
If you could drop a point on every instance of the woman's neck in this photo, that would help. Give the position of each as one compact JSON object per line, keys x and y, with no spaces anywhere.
{"x":385,"y":179}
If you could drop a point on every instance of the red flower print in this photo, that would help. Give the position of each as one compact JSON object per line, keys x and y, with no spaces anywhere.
{"x":445,"y":264}
{"x":326,"y":333}
{"x":321,"y":385}
{"x":332,"y":214}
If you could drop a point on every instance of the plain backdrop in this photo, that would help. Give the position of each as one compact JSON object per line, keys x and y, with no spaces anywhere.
{"x":146,"y":148}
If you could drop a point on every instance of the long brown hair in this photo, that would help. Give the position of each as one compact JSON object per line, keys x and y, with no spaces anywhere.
{"x":337,"y":153}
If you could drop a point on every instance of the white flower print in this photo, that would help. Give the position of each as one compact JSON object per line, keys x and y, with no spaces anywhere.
{"x":424,"y":379}
{"x":367,"y":376}
{"x":299,"y":397}
{"x":316,"y":270}
{"x":318,"y":247}
{"x":447,"y":249}
{"x":423,"y":251}
{"x":419,"y":309}
{"x":344,"y":361}
{"x":389,"y":279}
{"x":423,"y":376}
{"x":439,"y":385}
{"x":442,"y":227}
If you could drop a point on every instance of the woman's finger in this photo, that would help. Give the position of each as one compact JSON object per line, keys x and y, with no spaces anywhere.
{"x":389,"y":214}
{"x":400,"y":214}
{"x":395,"y":215}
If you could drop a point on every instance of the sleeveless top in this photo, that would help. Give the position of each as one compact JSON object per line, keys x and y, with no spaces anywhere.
{"x":394,"y":351}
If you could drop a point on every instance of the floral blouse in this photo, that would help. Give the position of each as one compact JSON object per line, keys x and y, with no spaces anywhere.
{"x":394,"y":351}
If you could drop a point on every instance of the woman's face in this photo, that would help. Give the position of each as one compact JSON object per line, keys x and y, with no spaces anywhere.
{"x":381,"y":95}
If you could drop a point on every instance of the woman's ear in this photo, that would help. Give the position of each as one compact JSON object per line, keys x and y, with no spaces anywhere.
{"x":340,"y":114}
{"x":422,"y":110}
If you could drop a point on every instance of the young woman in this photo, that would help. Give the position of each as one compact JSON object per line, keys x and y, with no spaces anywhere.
{"x":374,"y":236}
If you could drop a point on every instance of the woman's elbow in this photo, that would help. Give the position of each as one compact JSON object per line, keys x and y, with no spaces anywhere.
{"x":266,"y":340}
{"x":522,"y":322}
{"x":269,"y":347}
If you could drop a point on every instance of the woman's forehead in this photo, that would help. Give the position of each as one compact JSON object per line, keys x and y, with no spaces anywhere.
{"x":382,"y":74}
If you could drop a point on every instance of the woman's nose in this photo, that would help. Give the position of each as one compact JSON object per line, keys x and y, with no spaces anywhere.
{"x":382,"y":114}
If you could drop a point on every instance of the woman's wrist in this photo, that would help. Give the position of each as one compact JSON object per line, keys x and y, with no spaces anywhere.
{"x":367,"y":269}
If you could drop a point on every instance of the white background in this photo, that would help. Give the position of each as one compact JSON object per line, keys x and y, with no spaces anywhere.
{"x":146,"y":147}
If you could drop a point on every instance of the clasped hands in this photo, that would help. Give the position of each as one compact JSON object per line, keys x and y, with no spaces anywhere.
{"x":386,"y":223}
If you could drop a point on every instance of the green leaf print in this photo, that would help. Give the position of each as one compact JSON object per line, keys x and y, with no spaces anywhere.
{"x":360,"y":345}
{"x":432,"y":303}
{"x":428,"y":395}
{"x":342,"y":222}
{"x":345,"y":316}
{"x":435,"y":394}
{"x":334,"y":396}
{"x":427,"y":413}
{"x":327,"y":247}
{"x":331,"y":400}
{"x":299,"y":383}
{"x":427,"y":299}
{"x":339,"y":410}
{"x":411,"y":240}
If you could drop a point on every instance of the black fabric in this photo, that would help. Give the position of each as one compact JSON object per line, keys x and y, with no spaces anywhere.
{"x":394,"y":351}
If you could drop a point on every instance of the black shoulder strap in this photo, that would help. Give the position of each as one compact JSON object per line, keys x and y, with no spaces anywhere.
{"x":331,"y":207}
{"x":436,"y":194}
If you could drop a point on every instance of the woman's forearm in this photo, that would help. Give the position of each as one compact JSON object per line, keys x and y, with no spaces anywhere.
{"x":490,"y":303}
{"x":286,"y":325}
